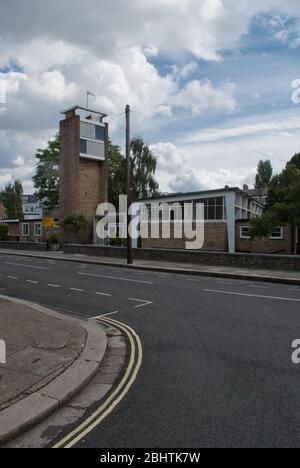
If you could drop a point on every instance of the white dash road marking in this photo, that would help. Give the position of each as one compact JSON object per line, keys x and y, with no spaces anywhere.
{"x":115,"y":278}
{"x":258,"y":287}
{"x":252,"y":295}
{"x":104,"y":315}
{"x":76,"y":289}
{"x":32,"y":282}
{"x":53,"y":285}
{"x":103,"y":294}
{"x":13,"y":277}
{"x":26,"y":266}
{"x":143,"y":302}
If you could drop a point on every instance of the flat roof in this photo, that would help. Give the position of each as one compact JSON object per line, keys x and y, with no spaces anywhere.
{"x":74,"y":108}
{"x":193,"y":194}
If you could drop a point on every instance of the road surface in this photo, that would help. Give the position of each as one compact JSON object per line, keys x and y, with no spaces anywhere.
{"x":217,"y":368}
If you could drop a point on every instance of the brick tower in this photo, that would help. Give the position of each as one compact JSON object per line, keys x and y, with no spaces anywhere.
{"x":83,"y":163}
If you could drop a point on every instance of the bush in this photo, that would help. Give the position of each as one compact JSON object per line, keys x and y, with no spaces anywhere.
{"x":3,"y":232}
{"x":75,"y":227}
{"x":53,"y":238}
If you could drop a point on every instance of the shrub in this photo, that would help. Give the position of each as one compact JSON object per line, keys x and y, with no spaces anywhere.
{"x":3,"y":232}
{"x":53,"y":238}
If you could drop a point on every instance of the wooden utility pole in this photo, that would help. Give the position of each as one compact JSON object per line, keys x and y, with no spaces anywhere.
{"x":128,"y":186}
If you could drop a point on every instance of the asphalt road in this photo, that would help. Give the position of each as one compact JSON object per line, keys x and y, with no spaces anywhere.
{"x":217,"y":369}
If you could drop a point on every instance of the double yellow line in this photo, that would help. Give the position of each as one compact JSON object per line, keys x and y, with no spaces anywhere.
{"x":135,"y":361}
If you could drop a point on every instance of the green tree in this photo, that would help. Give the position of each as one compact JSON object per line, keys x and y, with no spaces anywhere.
{"x":143,"y":170}
{"x":46,"y":178}
{"x":283,"y":204}
{"x":116,"y":174}
{"x":3,"y":232}
{"x":75,"y":227}
{"x":264,"y":174}
{"x":11,"y":197}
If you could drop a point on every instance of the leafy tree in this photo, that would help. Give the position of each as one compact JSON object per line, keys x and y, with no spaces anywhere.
{"x":264,"y":174}
{"x":46,"y":178}
{"x":116,"y":174}
{"x":75,"y":226}
{"x":143,"y":167}
{"x":3,"y":232}
{"x":11,"y":198}
{"x":283,"y":204}
{"x":143,"y":170}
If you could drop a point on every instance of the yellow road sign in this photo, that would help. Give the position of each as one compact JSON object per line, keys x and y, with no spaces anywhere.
{"x":48,"y":222}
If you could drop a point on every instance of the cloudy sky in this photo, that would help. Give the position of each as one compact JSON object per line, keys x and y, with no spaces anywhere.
{"x":209,"y":81}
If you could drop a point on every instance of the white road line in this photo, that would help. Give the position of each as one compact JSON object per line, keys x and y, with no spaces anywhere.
{"x":76,"y":289}
{"x":252,"y":295}
{"x":103,"y":294}
{"x":53,"y":285}
{"x":13,"y":277}
{"x":144,"y":303}
{"x":26,"y":266}
{"x":223,"y":282}
{"x":32,"y":282}
{"x":104,"y":315}
{"x":199,"y":280}
{"x":115,"y":278}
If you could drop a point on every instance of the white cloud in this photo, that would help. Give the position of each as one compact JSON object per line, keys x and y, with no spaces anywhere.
{"x":169,"y":157}
{"x":61,"y":49}
{"x":201,"y":95}
{"x":177,"y":174}
{"x":200,"y":179}
{"x":214,"y":134}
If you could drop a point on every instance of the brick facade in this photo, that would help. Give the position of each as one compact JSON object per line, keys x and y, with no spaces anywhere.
{"x":215,"y":239}
{"x":83,"y":182}
{"x":264,"y":245}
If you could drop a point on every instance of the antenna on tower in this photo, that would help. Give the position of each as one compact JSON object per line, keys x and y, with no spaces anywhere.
{"x":88,"y":94}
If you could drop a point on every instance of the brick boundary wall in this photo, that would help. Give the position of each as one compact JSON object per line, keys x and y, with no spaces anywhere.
{"x":36,"y":246}
{"x":239,"y":260}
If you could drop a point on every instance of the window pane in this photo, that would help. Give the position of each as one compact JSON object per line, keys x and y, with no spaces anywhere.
{"x":87,"y":130}
{"x":219,"y":212}
{"x":83,"y":146}
{"x":100,"y":133}
{"x":95,"y":149}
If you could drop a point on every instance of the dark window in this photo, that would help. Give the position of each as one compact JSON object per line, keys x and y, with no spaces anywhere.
{"x":100,"y":133}
{"x":83,"y":146}
{"x":219,"y":212}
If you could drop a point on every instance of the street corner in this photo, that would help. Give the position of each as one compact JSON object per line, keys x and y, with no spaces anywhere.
{"x":46,"y":359}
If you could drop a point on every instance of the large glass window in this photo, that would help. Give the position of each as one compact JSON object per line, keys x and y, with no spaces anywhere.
{"x":92,"y":148}
{"x":92,"y":131}
{"x":213,"y":208}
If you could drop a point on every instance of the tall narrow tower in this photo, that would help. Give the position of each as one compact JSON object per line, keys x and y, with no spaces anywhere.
{"x":83,"y":162}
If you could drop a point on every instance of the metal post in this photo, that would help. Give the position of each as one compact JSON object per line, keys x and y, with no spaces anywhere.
{"x":128,"y":186}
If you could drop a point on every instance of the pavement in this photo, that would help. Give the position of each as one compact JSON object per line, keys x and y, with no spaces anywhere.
{"x":252,"y":274}
{"x":49,"y":358}
{"x":216,"y":369}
